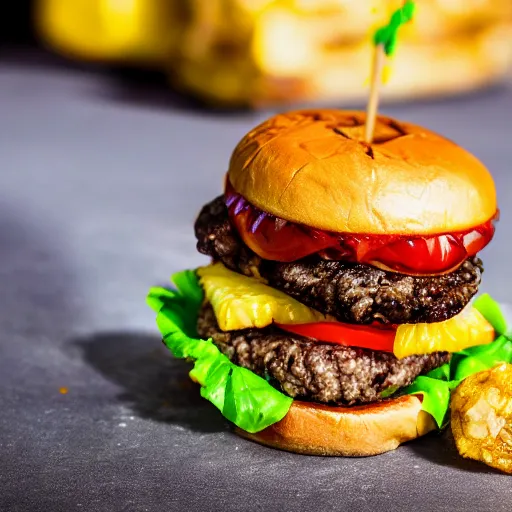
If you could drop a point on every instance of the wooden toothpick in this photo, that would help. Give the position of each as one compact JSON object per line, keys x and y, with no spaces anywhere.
{"x":379,"y":59}
{"x":385,"y":40}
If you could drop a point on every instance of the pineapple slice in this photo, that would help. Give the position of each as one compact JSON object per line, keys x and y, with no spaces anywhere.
{"x":467,"y":329}
{"x":241,"y":302}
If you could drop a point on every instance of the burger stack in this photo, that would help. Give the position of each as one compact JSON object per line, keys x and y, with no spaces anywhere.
{"x":342,"y":270}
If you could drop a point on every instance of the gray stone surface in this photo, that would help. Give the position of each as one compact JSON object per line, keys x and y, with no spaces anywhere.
{"x":98,"y":190}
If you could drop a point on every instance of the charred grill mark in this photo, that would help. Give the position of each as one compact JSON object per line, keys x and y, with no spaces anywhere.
{"x":367,"y":147}
{"x":393,"y":124}
{"x":339,"y":131}
{"x":392,"y":131}
{"x":396,"y":127}
{"x":369,"y":151}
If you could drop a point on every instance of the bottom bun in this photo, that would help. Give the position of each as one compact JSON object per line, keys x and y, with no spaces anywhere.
{"x":314,"y":429}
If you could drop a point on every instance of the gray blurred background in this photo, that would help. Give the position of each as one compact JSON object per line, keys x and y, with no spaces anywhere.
{"x":104,"y":164}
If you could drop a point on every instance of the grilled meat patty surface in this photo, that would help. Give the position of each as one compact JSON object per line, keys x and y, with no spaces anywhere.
{"x":311,"y":370}
{"x":350,"y":292}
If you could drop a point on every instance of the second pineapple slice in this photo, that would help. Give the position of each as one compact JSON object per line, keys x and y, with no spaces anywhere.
{"x":467,"y":329}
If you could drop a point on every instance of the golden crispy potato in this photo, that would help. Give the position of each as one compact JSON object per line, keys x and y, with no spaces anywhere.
{"x":481,"y":417}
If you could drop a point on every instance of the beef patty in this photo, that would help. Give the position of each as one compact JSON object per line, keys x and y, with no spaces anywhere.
{"x":311,"y":370}
{"x":350,"y":292}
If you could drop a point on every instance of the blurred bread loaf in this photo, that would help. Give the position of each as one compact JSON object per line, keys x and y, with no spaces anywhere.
{"x":261,"y":52}
{"x":272,"y":52}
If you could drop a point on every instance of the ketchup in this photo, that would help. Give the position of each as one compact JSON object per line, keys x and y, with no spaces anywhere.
{"x":276,"y":239}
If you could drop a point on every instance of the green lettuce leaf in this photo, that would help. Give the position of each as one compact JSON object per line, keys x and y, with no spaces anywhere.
{"x":498,"y":315}
{"x":243,"y":397}
{"x":437,"y":385}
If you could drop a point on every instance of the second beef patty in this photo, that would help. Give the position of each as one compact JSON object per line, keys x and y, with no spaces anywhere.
{"x":310,"y":370}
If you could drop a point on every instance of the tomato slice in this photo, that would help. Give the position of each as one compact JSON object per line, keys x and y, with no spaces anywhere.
{"x":276,"y":239}
{"x":364,"y":336}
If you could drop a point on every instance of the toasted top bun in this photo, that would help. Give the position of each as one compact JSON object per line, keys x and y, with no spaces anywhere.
{"x":315,"y":429}
{"x":313,"y":167}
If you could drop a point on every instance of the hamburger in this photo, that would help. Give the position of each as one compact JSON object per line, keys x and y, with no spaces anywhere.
{"x":340,"y":282}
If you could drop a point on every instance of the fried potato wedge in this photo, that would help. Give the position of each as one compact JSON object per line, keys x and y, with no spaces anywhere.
{"x":481,"y":417}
